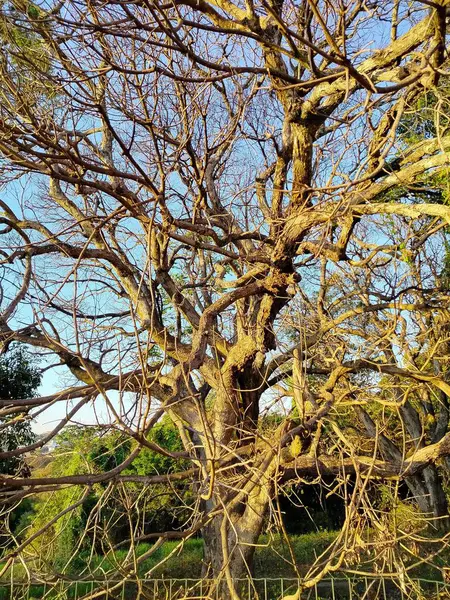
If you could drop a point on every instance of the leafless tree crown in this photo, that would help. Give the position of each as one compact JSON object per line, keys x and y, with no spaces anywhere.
{"x":221,"y":210}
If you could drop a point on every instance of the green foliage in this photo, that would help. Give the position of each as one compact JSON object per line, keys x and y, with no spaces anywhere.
{"x":25,"y":57}
{"x":427,"y":119}
{"x":168,"y":505}
{"x":401,"y":515}
{"x":57,"y":545}
{"x":431,"y":110}
{"x":19,"y":378}
{"x":149,"y":462}
{"x":14,"y":436}
{"x":272,"y":558}
{"x":20,"y":23}
{"x":81,"y":450}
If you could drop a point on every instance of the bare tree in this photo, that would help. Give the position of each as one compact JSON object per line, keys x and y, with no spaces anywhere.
{"x":206,"y":203}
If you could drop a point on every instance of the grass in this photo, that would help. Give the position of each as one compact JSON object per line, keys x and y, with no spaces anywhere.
{"x":272,"y":558}
{"x":172,"y":560}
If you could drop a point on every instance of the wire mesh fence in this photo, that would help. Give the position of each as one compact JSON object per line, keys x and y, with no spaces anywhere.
{"x":337,"y":588}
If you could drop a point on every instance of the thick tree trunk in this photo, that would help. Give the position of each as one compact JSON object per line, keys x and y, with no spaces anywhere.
{"x":429,"y":495}
{"x":231,"y":547}
{"x":230,"y":540}
{"x":436,"y":500}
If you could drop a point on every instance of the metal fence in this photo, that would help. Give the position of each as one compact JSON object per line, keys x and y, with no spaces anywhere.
{"x":249,"y":589}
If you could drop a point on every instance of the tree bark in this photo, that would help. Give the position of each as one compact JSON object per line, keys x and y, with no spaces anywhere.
{"x":432,"y":501}
{"x":230,"y":540}
{"x":425,"y":487}
{"x":436,"y":499}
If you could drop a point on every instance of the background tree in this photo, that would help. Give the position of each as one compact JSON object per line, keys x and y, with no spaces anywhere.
{"x":424,"y":413}
{"x":19,"y":378}
{"x":106,"y":518}
{"x":220,"y":202}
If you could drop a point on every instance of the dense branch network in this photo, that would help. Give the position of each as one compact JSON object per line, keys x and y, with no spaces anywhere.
{"x":212,"y":210}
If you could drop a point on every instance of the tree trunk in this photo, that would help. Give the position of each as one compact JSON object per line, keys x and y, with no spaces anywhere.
{"x":230,"y":539}
{"x":427,"y":490}
{"x":438,"y":507}
{"x":432,"y":500}
{"x":426,"y":487}
{"x":231,"y":547}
